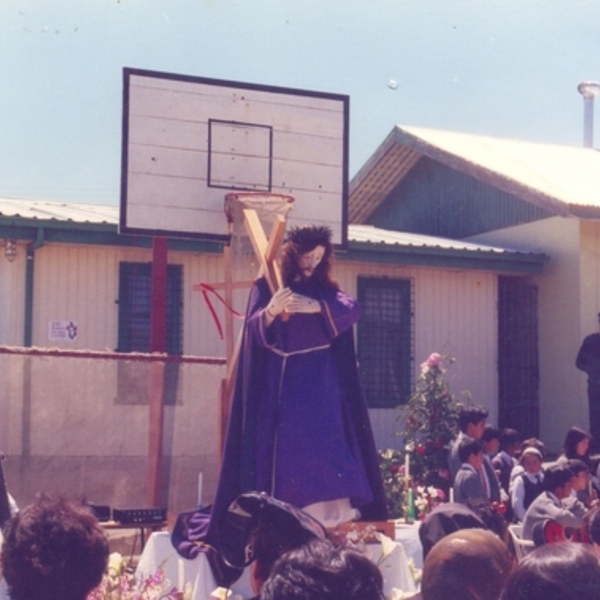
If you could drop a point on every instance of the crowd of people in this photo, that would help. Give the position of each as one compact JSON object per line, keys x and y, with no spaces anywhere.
{"x":503,"y":483}
{"x":55,"y":548}
{"x":516,"y":477}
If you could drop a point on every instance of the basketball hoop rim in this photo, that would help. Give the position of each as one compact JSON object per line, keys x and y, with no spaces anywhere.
{"x":263,"y":196}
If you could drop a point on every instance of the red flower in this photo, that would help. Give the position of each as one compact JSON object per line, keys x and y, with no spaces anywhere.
{"x":420,"y":449}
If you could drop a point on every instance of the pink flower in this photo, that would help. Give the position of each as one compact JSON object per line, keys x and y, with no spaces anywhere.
{"x":441,"y":495}
{"x":434,"y":360}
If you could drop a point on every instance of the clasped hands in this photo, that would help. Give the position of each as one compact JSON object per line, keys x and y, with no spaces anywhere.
{"x":284,"y":300}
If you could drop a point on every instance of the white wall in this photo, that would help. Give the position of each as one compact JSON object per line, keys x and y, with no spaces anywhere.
{"x":563,"y":398}
{"x":455,"y":315}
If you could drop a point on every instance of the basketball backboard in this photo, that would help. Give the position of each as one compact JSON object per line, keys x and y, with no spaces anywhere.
{"x":188,"y":141}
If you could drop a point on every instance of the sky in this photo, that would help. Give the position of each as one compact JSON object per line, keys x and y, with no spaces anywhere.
{"x":504,"y":68}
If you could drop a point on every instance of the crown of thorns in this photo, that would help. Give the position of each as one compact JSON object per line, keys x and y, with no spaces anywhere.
{"x":310,"y":236}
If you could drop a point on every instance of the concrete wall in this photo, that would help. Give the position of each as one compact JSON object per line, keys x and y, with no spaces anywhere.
{"x":78,"y":423}
{"x":571,"y":276}
{"x":455,"y":311}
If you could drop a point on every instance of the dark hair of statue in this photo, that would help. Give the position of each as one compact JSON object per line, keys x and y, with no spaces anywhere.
{"x":300,"y":241}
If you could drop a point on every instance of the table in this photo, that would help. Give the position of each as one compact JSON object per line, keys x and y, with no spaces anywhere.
{"x":408,"y":536}
{"x":159,"y":552}
{"x":142,"y":527}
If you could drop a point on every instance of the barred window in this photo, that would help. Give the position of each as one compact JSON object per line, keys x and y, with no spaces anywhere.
{"x":385,"y":340}
{"x":135,"y":301}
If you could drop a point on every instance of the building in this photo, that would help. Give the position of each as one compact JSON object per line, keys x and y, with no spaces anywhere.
{"x":536,"y":197}
{"x":75,"y":289}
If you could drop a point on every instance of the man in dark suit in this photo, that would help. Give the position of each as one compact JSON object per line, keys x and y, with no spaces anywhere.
{"x":588,"y":360}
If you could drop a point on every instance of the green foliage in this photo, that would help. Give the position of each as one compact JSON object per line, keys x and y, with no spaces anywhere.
{"x":430,"y":424}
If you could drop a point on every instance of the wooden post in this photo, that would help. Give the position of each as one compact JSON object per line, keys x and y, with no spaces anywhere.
{"x":158,"y":343}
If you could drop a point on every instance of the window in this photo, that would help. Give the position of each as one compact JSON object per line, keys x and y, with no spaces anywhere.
{"x":135,"y":304}
{"x":385,"y":340}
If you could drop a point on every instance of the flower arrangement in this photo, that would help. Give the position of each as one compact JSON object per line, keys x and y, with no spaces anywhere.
{"x":430,"y":423}
{"x":119,"y":583}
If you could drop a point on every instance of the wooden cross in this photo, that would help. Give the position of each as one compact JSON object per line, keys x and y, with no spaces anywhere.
{"x":266,"y":252}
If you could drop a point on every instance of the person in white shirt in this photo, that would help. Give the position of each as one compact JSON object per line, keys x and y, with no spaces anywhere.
{"x":528,"y":485}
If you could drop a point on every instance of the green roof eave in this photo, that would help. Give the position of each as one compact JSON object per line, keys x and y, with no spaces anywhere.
{"x":101,"y":234}
{"x":455,"y":258}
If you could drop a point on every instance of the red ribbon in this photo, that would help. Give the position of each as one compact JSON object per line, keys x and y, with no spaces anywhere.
{"x":205,"y":288}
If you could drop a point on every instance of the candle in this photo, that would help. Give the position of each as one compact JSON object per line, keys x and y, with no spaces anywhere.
{"x":407,"y":466}
{"x":451,"y":496}
{"x":200,"y":489}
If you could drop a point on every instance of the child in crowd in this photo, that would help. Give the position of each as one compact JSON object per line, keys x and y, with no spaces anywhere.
{"x":504,"y":462}
{"x":527,"y":486}
{"x":582,"y":488}
{"x":469,"y":483}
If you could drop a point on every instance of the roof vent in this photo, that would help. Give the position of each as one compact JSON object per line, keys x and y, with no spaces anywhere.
{"x":589,"y":90}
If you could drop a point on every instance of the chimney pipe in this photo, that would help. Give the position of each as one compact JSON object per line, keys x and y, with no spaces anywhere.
{"x":588,"y":89}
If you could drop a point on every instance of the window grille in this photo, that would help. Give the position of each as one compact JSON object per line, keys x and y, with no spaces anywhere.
{"x":135,"y":308}
{"x":385,"y":340}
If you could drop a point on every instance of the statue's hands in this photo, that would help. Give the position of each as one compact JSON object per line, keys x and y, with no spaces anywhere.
{"x":278,"y":302}
{"x":298,"y":303}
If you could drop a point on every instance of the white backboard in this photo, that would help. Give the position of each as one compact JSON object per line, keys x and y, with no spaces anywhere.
{"x":188,"y":141}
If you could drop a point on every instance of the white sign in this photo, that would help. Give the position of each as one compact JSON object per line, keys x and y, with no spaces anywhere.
{"x":65,"y":331}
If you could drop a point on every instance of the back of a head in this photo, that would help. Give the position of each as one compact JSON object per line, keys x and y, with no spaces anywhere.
{"x":594,"y":525}
{"x":560,"y":571}
{"x":319,"y":570}
{"x":471,"y":414}
{"x":445,"y":519}
{"x":557,"y":475}
{"x":470,"y":564}
{"x":53,"y":549}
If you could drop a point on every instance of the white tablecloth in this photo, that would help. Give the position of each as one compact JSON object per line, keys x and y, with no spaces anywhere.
{"x":159,"y":552}
{"x":408,"y":536}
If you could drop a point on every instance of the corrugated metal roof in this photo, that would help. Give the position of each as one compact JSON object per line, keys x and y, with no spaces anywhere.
{"x":563,"y":179}
{"x":59,"y":211}
{"x":374,"y":235}
{"x":368,"y":236}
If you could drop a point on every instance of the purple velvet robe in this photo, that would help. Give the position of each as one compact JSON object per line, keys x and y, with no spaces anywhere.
{"x":305,"y":449}
{"x":299,"y":427}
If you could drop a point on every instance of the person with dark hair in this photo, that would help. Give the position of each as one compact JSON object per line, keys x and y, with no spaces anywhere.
{"x":471,"y":422}
{"x":469,"y":483}
{"x":559,"y":571}
{"x":444,"y":520}
{"x":53,"y":549}
{"x":588,"y":361}
{"x":582,"y":489}
{"x":490,"y":440}
{"x":451,"y":516}
{"x":319,"y":570}
{"x":470,"y":564}
{"x":577,"y":445}
{"x":594,"y":529}
{"x":557,"y":484}
{"x":504,"y":462}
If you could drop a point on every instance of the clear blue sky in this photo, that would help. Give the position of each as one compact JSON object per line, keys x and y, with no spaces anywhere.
{"x":507,"y":68}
